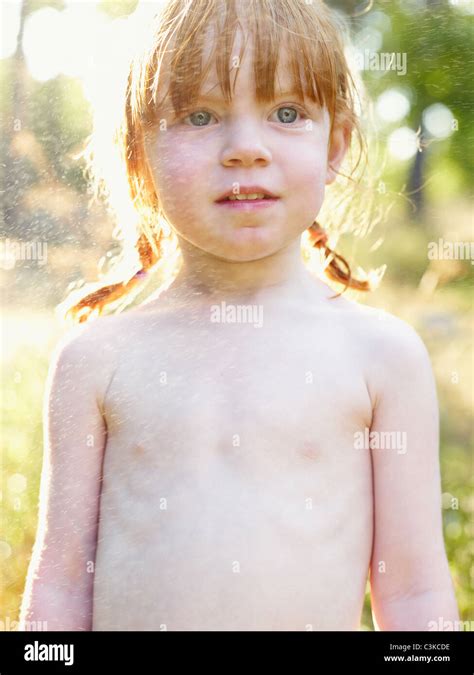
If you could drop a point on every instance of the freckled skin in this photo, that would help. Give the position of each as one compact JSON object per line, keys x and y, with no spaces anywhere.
{"x":233,"y":497}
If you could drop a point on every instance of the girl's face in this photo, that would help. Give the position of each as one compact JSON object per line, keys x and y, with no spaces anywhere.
{"x":282,"y":147}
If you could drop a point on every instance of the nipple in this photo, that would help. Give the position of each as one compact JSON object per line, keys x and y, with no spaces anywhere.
{"x":309,"y":450}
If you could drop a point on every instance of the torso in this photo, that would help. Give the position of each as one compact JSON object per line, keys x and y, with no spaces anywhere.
{"x":233,"y":497}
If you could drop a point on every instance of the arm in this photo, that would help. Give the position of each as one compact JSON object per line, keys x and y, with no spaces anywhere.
{"x":60,"y":577}
{"x":410,"y":579}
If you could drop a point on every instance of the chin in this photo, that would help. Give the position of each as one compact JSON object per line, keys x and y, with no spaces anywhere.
{"x":246,"y":244}
{"x":240,"y":244}
{"x":246,"y":247}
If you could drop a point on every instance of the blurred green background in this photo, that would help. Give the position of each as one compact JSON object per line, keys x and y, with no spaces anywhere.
{"x":423,"y":119}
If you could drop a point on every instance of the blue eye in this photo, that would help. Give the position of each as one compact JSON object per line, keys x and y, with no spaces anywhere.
{"x":289,"y":114}
{"x":201,"y":117}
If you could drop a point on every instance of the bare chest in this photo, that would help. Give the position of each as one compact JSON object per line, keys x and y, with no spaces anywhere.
{"x":230,"y":456}
{"x":238,"y":406}
{"x":236,"y":392}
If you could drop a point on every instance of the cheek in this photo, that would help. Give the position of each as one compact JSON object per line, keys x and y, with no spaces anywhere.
{"x":182,"y":175}
{"x":306,"y":175}
{"x":308,"y":160}
{"x":173,"y":171}
{"x":179,"y":169}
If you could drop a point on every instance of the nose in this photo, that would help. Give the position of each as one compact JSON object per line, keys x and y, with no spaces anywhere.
{"x":244,"y":145}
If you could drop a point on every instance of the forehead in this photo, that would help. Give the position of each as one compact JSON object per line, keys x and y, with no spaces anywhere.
{"x":229,"y":56}
{"x":241,"y":65}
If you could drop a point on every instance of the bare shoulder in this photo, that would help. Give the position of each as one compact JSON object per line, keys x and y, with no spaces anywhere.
{"x":104,"y":340}
{"x":88,"y":353}
{"x":397,"y":342}
{"x":88,"y":339}
{"x":395,"y":354}
{"x":103,"y":336}
{"x":384,"y":330}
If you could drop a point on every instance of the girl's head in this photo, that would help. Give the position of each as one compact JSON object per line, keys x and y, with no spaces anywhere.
{"x":224,"y":95}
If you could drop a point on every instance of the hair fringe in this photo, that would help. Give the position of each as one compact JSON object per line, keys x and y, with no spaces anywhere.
{"x":141,"y":81}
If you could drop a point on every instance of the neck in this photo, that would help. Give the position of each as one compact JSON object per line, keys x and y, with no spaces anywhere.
{"x":205,"y":278}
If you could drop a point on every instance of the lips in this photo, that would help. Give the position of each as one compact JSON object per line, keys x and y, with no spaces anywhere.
{"x":247,"y":190}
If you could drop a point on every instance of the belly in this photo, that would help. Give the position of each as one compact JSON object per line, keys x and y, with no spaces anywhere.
{"x":215,"y":541}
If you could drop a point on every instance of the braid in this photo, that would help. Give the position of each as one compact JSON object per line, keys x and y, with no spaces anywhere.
{"x":94,"y":303}
{"x":338,"y":268}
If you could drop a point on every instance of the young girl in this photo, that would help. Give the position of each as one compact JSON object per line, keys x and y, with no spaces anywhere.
{"x":242,"y":451}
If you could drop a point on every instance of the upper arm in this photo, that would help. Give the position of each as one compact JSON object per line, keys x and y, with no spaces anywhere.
{"x":74,"y":443}
{"x":408,"y":552}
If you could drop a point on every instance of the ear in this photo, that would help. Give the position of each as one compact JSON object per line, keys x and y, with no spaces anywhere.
{"x":338,"y":146}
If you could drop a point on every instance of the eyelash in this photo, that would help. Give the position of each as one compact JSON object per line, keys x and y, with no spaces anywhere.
{"x":300,"y":110}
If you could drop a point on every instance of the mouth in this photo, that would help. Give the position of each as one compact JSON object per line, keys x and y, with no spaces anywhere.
{"x":248,"y":204}
{"x":248,"y":198}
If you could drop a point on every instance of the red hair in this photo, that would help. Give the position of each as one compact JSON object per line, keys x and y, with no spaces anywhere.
{"x":314,"y":35}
